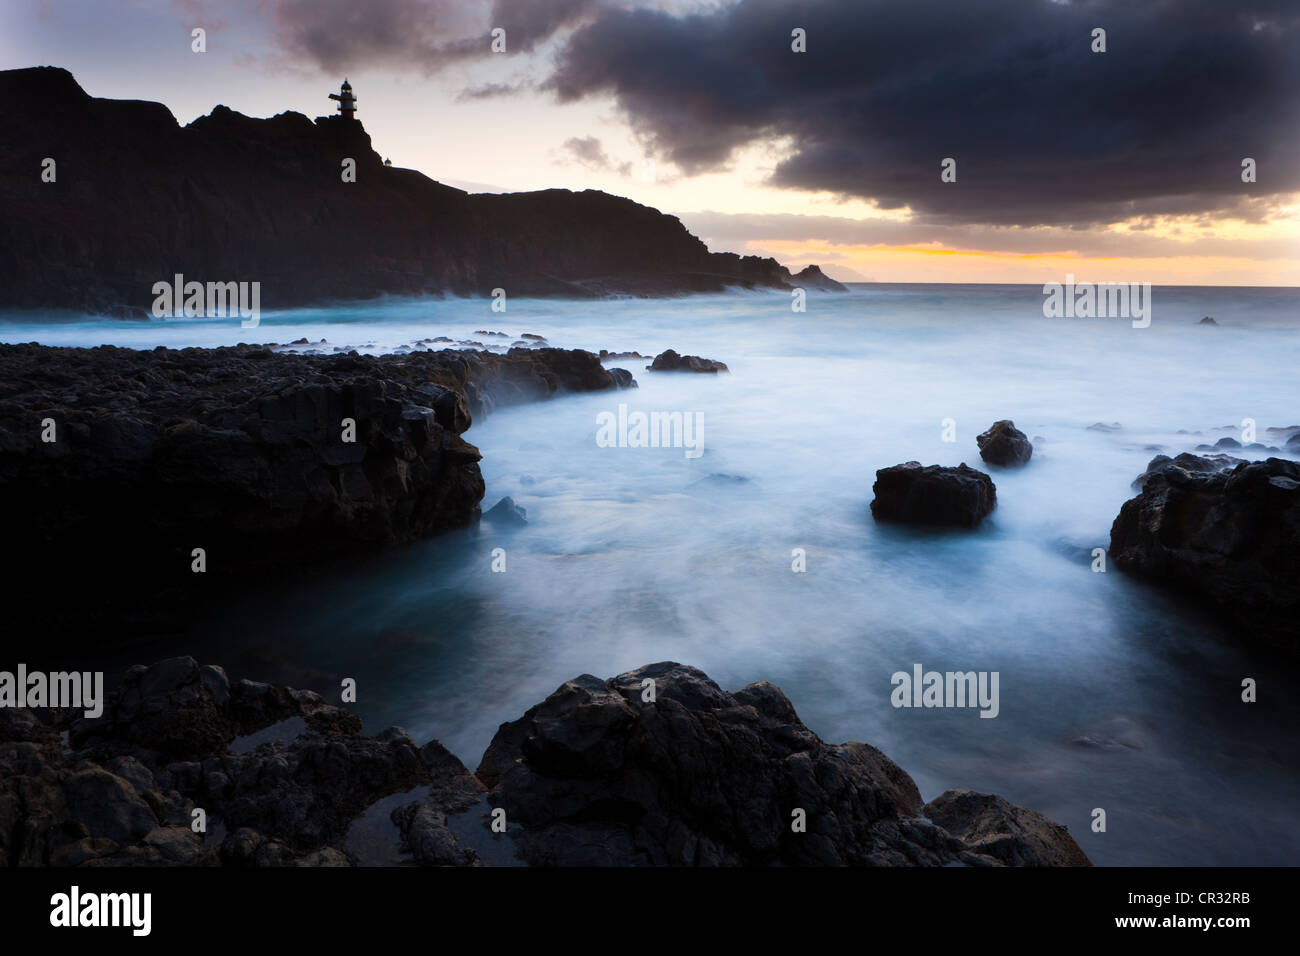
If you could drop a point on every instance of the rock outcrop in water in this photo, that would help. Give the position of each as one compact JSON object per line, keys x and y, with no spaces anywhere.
{"x":933,"y":495}
{"x":1227,"y":533}
{"x":670,"y":361}
{"x":121,"y":463}
{"x":593,"y":775}
{"x":138,"y":199}
{"x":1004,"y":445}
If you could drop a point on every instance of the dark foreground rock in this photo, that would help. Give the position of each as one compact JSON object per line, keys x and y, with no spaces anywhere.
{"x":933,"y":495}
{"x":1227,"y":536}
{"x":125,"y":790}
{"x":1014,"y":835}
{"x":593,"y":775}
{"x":1004,"y":445}
{"x":121,"y":463}
{"x":598,"y":775}
{"x":670,"y":361}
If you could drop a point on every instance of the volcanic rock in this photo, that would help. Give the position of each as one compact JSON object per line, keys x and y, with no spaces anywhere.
{"x":599,"y":775}
{"x":933,"y":495}
{"x":670,"y":361}
{"x":1004,"y":444}
{"x":1227,"y":538}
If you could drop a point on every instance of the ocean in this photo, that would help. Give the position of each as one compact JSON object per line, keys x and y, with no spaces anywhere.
{"x":1114,"y":695}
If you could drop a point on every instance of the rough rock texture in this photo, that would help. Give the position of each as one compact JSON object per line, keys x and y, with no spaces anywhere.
{"x":1188,"y":464}
{"x":506,"y":513}
{"x":933,"y":495}
{"x":1005,"y":445}
{"x":1230,"y":538}
{"x":124,"y":791}
{"x":992,"y":826}
{"x":595,"y":775}
{"x":138,"y":199}
{"x":670,"y":361}
{"x":240,"y":452}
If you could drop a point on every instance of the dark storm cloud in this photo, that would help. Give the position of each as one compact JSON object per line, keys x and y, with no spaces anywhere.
{"x":589,"y":152}
{"x":425,"y":35}
{"x":1043,"y":130}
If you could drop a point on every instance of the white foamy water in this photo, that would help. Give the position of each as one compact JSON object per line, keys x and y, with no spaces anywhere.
{"x":1113,"y":694}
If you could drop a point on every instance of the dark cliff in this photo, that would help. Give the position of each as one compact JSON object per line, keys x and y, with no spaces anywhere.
{"x":139,"y":198}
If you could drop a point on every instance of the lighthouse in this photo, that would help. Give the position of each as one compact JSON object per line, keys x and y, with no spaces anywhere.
{"x":347,"y":102}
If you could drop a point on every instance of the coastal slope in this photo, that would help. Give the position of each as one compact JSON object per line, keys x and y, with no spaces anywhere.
{"x":136,"y":199}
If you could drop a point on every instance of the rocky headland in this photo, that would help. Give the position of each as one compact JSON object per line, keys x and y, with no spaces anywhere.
{"x":137,"y":199}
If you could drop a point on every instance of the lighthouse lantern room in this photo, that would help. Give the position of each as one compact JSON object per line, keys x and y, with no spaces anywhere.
{"x":347,"y":102}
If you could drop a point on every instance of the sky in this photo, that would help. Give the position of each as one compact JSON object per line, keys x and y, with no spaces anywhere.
{"x":1117,"y":165}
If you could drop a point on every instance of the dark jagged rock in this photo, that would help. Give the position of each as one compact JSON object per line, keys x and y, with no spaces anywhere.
{"x":595,"y":775}
{"x":241,"y":452}
{"x":1189,"y":464}
{"x":623,"y":378}
{"x":591,"y":775}
{"x":506,"y":513}
{"x":139,"y":198}
{"x":812,"y":277}
{"x":1014,"y":835}
{"x":1004,"y":444}
{"x":933,"y":495}
{"x":670,"y":361}
{"x":125,"y":790}
{"x":1230,"y":538}
{"x":1208,"y":320}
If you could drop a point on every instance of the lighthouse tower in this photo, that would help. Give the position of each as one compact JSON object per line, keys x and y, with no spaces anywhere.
{"x":347,"y":102}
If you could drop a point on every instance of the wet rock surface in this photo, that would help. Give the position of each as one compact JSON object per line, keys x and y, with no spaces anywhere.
{"x":911,"y":493}
{"x":1224,"y":531}
{"x":266,"y":462}
{"x":670,"y":361}
{"x":595,"y":774}
{"x":1004,"y":445}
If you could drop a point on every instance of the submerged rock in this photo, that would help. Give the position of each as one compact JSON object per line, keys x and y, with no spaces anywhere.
{"x":670,"y":361}
{"x":1004,"y":444}
{"x":933,"y":495}
{"x":1227,"y":537}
